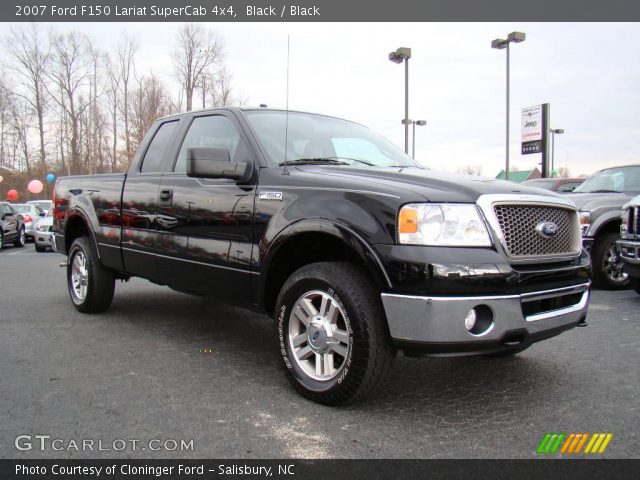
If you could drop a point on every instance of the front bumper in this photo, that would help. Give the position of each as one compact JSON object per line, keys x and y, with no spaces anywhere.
{"x":629,"y":251}
{"x":435,"y":325}
{"x":44,"y":239}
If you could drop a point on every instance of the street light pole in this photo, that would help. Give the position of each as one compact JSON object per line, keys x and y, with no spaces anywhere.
{"x":506,"y":175}
{"x":403,"y":54}
{"x":554,"y":131}
{"x":501,"y":43}
{"x":406,"y":105}
{"x":420,"y":123}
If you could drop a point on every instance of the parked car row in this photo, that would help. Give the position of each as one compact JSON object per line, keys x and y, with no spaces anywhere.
{"x":20,"y":222}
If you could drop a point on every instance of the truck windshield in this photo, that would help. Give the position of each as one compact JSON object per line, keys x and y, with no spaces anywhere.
{"x":321,"y":140}
{"x":619,"y":179}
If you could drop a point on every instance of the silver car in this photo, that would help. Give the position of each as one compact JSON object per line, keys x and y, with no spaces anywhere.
{"x":31,"y":214}
{"x":44,"y":238}
{"x":43,"y":204}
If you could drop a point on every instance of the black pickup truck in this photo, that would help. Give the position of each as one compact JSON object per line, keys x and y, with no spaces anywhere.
{"x":355,"y":250}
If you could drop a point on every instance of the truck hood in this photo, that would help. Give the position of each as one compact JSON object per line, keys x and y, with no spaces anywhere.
{"x":588,"y":202}
{"x":422,"y":183}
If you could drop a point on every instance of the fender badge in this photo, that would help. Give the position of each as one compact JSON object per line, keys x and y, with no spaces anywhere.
{"x":270,"y":196}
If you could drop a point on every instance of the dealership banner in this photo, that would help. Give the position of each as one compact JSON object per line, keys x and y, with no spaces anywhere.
{"x":532,"y":130}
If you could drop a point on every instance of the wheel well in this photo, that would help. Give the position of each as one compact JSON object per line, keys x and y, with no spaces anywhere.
{"x":612,"y":226}
{"x":301,"y":250}
{"x":76,"y":227}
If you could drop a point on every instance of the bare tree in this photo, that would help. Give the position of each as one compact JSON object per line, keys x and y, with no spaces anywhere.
{"x":470,"y":169}
{"x":126,"y":53}
{"x":563,"y":172}
{"x":221,"y":91}
{"x":113,"y":100}
{"x":30,"y":54}
{"x":198,"y":51}
{"x":149,"y":101}
{"x":69,"y":75}
{"x":6,"y":105}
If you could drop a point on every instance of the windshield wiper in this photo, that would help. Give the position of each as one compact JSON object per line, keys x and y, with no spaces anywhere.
{"x":313,"y":161}
{"x":353,"y":160}
{"x":602,"y":190}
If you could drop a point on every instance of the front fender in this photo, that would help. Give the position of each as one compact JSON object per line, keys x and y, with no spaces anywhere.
{"x":323,"y":226}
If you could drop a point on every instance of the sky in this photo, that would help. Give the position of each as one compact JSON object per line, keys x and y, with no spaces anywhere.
{"x":588,"y":72}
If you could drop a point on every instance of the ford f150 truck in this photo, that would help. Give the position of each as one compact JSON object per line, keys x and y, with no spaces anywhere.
{"x":355,"y":250}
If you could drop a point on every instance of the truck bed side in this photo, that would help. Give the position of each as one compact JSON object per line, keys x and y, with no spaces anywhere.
{"x":94,"y":201}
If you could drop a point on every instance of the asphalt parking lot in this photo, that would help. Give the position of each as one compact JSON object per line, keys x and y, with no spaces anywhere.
{"x":162,"y":365}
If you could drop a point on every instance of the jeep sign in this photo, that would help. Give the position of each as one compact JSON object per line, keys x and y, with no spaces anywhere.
{"x":532,"y":125}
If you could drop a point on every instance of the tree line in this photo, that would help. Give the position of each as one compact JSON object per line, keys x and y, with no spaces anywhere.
{"x":70,"y":107}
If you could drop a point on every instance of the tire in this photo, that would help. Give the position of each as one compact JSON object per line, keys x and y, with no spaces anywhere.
{"x":84,"y":270}
{"x":40,"y":249}
{"x":20,"y":239}
{"x":359,"y":347}
{"x":607,"y":266}
{"x":1,"y":239}
{"x":506,"y":353}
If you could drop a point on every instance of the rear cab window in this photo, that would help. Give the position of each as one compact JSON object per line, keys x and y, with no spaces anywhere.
{"x":154,"y":156}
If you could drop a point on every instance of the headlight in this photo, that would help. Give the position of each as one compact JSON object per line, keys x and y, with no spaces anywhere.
{"x":585,"y":221}
{"x":442,"y":224}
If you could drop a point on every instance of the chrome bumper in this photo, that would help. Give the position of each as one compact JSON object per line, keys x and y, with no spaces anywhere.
{"x":629,"y":250}
{"x":429,"y":320}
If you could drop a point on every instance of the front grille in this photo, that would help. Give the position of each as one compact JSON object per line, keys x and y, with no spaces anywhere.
{"x":520,"y":223}
{"x":633,"y":220}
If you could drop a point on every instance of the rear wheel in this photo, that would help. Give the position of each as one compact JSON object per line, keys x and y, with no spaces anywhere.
{"x":20,"y":239}
{"x":333,"y":337}
{"x":607,"y":266}
{"x":90,"y":285}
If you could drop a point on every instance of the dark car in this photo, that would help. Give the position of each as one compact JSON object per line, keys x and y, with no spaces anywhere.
{"x":13,"y":230}
{"x":561,"y":185}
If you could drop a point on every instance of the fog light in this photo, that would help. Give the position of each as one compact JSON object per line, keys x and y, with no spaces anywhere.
{"x":470,"y":319}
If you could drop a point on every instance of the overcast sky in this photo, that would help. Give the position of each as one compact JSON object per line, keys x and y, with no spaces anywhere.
{"x":589,"y":73}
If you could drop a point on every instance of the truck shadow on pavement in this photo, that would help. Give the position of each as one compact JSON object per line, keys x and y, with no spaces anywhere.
{"x":227,"y":345}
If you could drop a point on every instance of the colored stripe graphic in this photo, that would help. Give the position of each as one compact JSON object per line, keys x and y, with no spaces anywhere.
{"x":598,"y":443}
{"x":573,"y":443}
{"x":550,"y":443}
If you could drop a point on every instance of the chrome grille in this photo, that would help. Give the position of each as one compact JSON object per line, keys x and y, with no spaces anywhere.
{"x":522,"y":240}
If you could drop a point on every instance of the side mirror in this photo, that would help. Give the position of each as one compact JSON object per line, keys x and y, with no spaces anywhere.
{"x":212,"y":162}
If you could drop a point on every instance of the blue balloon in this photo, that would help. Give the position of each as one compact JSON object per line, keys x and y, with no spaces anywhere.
{"x":50,"y":177}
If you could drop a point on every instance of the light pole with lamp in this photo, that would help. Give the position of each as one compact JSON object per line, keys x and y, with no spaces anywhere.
{"x":554,"y":132}
{"x":500,"y":43}
{"x":403,"y":54}
{"x":420,"y":123}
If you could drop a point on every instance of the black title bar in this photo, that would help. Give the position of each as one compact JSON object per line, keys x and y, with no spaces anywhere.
{"x":318,"y":10}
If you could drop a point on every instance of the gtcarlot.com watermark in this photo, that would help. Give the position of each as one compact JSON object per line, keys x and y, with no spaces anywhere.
{"x":43,"y":443}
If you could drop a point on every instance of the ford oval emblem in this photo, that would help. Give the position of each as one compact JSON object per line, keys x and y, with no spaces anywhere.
{"x":547,"y":229}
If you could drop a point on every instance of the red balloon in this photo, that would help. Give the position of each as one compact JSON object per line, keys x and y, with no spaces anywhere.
{"x":12,"y":194}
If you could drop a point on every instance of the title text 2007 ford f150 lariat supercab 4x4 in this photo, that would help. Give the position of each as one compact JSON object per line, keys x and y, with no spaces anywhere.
{"x":354,"y":249}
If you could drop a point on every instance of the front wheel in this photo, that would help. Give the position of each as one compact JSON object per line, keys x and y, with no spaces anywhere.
{"x":21,"y":239}
{"x":90,"y":284}
{"x":333,"y":337}
{"x":607,"y":266}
